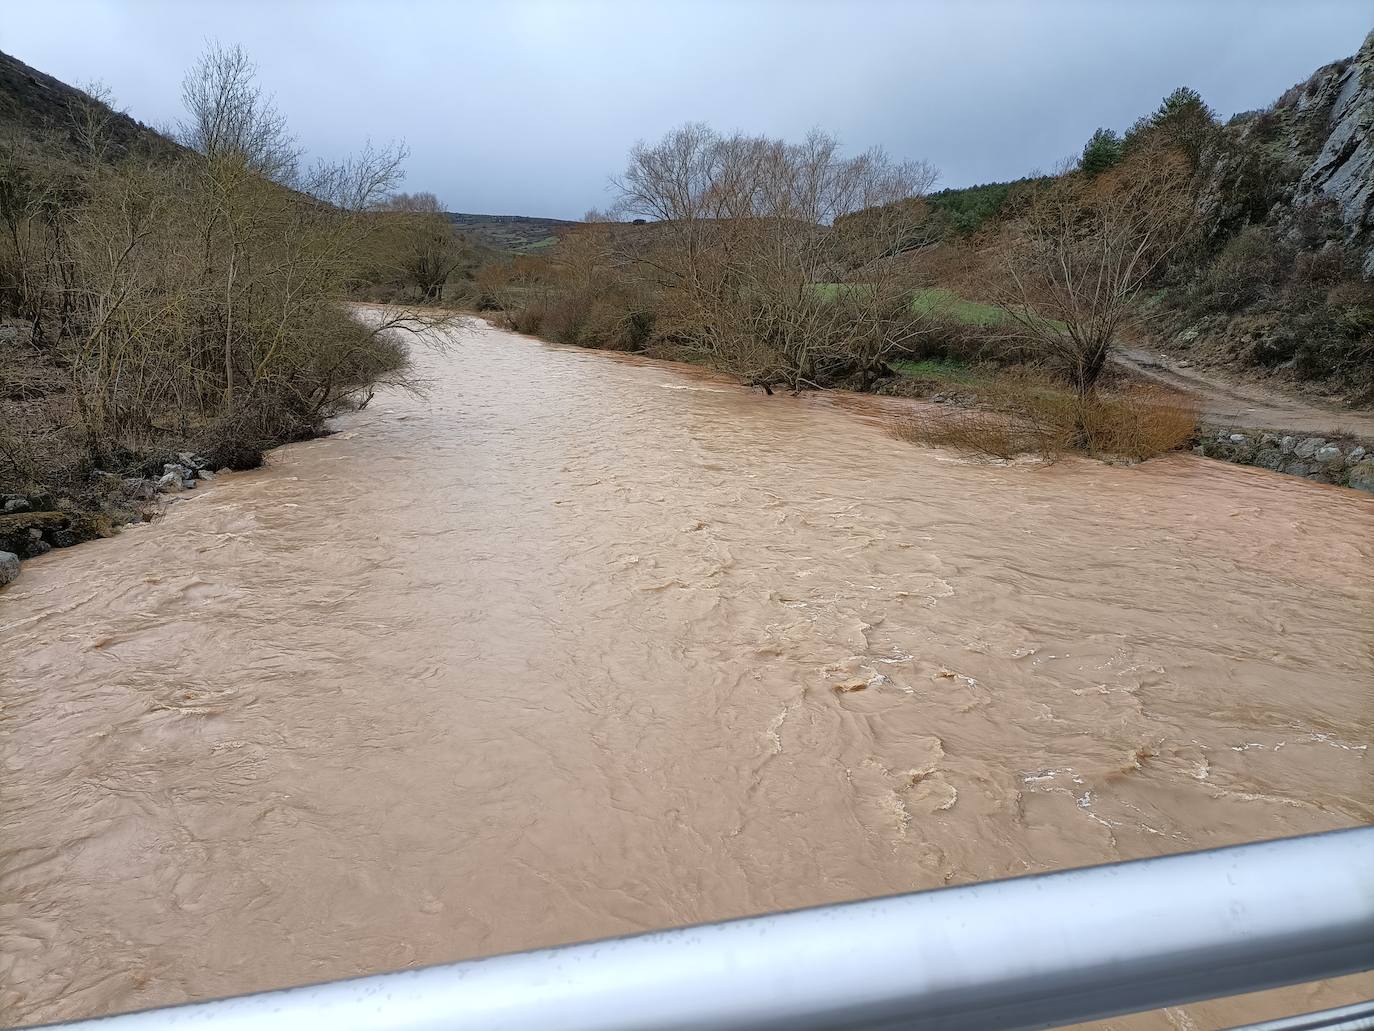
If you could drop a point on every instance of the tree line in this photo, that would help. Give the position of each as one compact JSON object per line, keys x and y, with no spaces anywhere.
{"x":188,"y":296}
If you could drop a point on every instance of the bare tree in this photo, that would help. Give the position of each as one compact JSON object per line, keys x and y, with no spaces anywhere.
{"x":90,"y":119}
{"x":1083,"y":253}
{"x":229,"y":117}
{"x":429,"y":250}
{"x":760,"y":259}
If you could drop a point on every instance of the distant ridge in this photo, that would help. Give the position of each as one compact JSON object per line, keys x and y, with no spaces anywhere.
{"x":521,"y":234}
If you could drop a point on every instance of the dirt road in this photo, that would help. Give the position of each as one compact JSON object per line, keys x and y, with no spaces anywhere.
{"x":1247,"y":406}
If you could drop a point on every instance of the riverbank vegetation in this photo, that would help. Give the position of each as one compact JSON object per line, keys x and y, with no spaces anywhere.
{"x":162,"y":297}
{"x":791,"y":266}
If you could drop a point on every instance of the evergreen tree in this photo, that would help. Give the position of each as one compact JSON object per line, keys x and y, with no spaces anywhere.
{"x":1182,"y":120}
{"x":1102,"y":151}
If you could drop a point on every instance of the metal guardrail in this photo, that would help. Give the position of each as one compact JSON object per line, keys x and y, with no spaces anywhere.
{"x":1359,"y":1017}
{"x":1030,"y":952}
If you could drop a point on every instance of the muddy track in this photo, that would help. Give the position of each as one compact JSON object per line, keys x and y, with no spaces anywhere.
{"x":1247,"y":406}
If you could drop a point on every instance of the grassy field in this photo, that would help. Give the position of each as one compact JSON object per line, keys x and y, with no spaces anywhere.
{"x":949,"y":305}
{"x":936,"y":301}
{"x":941,"y":370}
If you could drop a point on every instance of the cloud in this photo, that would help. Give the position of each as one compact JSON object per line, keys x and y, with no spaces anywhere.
{"x":529,"y":107}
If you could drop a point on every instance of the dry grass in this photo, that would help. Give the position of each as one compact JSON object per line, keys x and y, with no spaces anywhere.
{"x":1025,"y":415}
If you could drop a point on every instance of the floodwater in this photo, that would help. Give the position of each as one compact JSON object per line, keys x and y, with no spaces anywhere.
{"x":579,"y":645}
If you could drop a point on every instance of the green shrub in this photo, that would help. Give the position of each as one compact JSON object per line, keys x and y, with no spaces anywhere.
{"x":1103,"y":150}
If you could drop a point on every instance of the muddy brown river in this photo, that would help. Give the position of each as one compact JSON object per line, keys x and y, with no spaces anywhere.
{"x":580,"y":644}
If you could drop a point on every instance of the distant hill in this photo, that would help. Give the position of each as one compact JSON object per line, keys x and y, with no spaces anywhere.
{"x":521,"y":234}
{"x":37,"y":105}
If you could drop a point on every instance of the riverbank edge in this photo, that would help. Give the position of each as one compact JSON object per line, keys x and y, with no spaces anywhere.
{"x":1340,"y":460}
{"x":28,"y":529}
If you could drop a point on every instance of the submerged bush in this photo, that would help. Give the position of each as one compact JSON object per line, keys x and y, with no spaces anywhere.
{"x":1030,"y":416}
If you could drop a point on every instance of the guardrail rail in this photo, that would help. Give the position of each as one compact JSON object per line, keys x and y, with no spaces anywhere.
{"x":1030,"y":952}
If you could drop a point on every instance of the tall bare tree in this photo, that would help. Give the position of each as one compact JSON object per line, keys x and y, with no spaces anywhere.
{"x":1084,"y":252}
{"x":753,"y":258}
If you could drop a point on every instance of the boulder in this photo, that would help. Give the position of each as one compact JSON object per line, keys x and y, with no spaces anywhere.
{"x":1270,"y":458}
{"x":168,"y":483}
{"x":1296,"y":468}
{"x":15,"y":504}
{"x":1307,"y":447}
{"x":1329,"y":453}
{"x":1287,"y":444}
{"x":1355,"y":455}
{"x":1362,"y":475}
{"x":205,"y":474}
{"x":9,"y":567}
{"x":1240,"y":439}
{"x":189,"y":483}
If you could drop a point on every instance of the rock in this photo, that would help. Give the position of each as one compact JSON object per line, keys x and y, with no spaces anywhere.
{"x":189,"y":460}
{"x":9,"y":567}
{"x":1296,"y":468}
{"x":1355,"y":455}
{"x":1343,"y":171}
{"x":140,"y":489}
{"x":1270,"y":458}
{"x":1269,"y":440}
{"x":1362,"y":475}
{"x":189,"y":483}
{"x":63,"y":538}
{"x":15,"y":505}
{"x":1198,"y":449}
{"x":1329,"y":453}
{"x":168,"y":483}
{"x":182,"y":471}
{"x":38,"y":547}
{"x":205,"y":474}
{"x":1287,"y":444}
{"x":1307,"y":447}
{"x":1240,"y":439}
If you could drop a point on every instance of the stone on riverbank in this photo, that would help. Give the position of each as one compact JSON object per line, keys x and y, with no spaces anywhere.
{"x":1362,"y":475}
{"x":30,"y":534}
{"x":1308,"y":447}
{"x":1340,"y":462}
{"x":9,"y":567}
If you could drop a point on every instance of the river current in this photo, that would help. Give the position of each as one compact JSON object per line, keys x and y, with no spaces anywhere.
{"x":578,"y":644}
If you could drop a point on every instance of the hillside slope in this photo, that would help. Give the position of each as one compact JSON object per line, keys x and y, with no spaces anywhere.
{"x":34,"y":104}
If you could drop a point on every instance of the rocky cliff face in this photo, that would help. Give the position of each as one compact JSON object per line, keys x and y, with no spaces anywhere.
{"x":1339,"y":99}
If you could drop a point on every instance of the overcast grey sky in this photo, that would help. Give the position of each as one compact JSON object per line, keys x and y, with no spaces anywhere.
{"x":528,"y":107}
